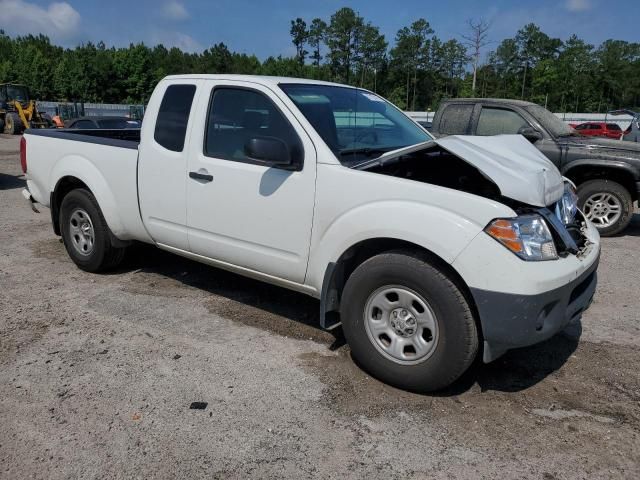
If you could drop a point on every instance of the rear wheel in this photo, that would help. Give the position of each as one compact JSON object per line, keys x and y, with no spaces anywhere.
{"x":85,"y":233}
{"x":407,"y":323}
{"x":607,"y":204}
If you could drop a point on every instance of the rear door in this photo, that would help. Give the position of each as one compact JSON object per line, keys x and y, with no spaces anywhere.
{"x":162,"y":165}
{"x":241,"y":212}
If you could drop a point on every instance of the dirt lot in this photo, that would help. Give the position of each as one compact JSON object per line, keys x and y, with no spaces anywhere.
{"x":97,"y":373}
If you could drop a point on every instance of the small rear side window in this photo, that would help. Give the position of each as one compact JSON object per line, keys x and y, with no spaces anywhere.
{"x":173,"y":116}
{"x":455,"y":119}
{"x":613,"y":126}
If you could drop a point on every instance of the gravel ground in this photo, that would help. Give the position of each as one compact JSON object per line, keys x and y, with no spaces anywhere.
{"x":97,"y":374}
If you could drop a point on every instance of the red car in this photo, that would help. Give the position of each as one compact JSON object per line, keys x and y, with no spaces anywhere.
{"x":599,"y":129}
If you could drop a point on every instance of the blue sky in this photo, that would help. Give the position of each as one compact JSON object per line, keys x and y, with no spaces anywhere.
{"x":261,"y":27}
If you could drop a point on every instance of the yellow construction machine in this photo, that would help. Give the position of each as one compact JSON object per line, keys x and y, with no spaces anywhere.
{"x":18,"y":111}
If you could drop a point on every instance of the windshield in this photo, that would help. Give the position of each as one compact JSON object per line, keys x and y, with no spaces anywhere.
{"x":355,"y":124}
{"x":18,"y":93}
{"x":555,"y":126}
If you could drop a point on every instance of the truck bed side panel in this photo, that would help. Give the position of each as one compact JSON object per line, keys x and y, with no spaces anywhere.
{"x":107,"y":166}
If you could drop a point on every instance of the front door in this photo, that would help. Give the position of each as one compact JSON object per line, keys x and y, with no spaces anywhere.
{"x":241,"y":211}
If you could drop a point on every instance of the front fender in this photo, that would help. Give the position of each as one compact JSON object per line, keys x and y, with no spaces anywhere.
{"x":601,"y":163}
{"x":82,"y":169}
{"x":439,"y":230}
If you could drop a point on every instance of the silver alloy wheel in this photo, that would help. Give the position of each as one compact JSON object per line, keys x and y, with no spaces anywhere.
{"x":603,"y":209}
{"x":401,"y":324}
{"x":82,"y":233}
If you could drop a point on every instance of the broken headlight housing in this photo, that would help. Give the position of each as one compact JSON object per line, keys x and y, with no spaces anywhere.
{"x":527,"y":236}
{"x":567,"y":206}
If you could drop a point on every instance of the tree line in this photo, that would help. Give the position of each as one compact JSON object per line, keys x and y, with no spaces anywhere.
{"x":415,"y":71}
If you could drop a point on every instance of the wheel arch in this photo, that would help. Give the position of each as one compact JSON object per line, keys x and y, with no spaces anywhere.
{"x":77,"y":172}
{"x":580,"y":171}
{"x":338,"y":272}
{"x":64,"y":185}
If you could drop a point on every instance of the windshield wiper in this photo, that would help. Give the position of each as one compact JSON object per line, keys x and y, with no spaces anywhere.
{"x":368,"y":151}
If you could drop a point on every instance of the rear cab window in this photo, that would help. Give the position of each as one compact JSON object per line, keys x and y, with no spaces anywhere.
{"x":173,"y":116}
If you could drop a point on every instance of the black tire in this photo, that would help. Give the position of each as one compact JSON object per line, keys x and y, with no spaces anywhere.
{"x":457,"y":335}
{"x":590,"y":188}
{"x":103,"y":255}
{"x":12,"y":123}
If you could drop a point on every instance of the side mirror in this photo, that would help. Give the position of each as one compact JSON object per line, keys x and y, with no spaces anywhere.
{"x":269,"y":151}
{"x":530,"y":134}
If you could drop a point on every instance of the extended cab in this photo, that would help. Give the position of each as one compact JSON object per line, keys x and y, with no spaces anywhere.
{"x":606,"y":171}
{"x":426,"y":251}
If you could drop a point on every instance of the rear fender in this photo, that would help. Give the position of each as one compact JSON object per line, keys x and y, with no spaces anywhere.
{"x":79,"y":167}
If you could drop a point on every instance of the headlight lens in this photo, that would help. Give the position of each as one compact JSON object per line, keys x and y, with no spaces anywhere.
{"x":527,"y":236}
{"x":567,"y":206}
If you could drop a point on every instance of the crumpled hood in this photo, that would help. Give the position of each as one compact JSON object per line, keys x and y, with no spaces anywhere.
{"x":519,"y":170}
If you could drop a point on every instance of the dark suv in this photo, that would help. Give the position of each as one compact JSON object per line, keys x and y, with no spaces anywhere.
{"x":606,"y":172}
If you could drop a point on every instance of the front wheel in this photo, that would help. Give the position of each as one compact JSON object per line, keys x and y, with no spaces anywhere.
{"x":607,"y":204}
{"x":407,"y":323}
{"x":85,"y":233}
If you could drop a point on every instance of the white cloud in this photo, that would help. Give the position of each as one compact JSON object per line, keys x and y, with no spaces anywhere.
{"x":181,"y":40}
{"x":578,"y":5}
{"x":59,"y":21}
{"x":174,"y":11}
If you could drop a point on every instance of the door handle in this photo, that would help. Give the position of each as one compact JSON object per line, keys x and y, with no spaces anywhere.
{"x":201,"y":176}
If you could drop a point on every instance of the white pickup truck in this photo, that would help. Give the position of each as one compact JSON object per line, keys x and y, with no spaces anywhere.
{"x":427,"y":251}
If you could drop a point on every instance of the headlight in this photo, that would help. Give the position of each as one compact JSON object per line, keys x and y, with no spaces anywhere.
{"x":527,"y":236}
{"x":567,"y":206}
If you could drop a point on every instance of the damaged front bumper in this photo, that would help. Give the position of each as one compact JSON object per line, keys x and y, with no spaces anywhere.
{"x":520,"y":303}
{"x":515,"y":320}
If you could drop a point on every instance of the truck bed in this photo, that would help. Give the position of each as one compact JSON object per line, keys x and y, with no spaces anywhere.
{"x":106,"y":161}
